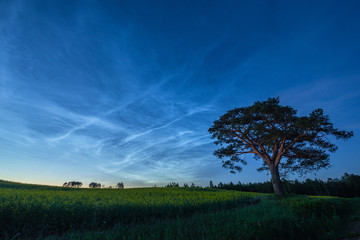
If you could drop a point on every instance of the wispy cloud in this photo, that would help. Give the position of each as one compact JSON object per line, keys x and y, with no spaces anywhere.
{"x":128,"y":92}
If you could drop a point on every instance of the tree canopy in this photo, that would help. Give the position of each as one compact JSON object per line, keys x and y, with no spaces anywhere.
{"x":275,"y":134}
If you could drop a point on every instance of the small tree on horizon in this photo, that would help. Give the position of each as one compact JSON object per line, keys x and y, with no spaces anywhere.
{"x":94,"y":185}
{"x":279,"y":137}
{"x":120,"y":185}
{"x":173,"y":184}
{"x":72,"y":184}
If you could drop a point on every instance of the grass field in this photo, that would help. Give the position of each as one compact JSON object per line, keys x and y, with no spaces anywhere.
{"x":42,"y":212}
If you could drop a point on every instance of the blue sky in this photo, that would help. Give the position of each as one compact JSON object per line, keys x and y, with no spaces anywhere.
{"x":113,"y":91}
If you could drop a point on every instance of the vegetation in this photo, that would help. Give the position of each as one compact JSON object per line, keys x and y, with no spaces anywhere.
{"x":120,"y":185}
{"x":57,"y":210}
{"x":166,"y":213}
{"x":271,"y":218}
{"x":73,"y":184}
{"x":278,"y":136}
{"x":347,"y":186}
{"x":94,"y":185}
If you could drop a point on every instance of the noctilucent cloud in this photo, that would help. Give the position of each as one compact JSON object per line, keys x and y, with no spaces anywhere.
{"x":112,"y":91}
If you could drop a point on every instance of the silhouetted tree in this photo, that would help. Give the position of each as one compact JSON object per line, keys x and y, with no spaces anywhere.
{"x":211,"y":185}
{"x":94,"y":185}
{"x":72,"y":184}
{"x":120,"y":185}
{"x":172,"y":184}
{"x":278,"y":136}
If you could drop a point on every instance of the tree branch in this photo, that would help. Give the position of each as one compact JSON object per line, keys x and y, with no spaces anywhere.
{"x":252,"y":147}
{"x":240,"y":153}
{"x":294,"y":141}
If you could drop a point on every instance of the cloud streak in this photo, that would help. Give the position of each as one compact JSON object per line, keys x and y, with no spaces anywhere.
{"x":127,"y":93}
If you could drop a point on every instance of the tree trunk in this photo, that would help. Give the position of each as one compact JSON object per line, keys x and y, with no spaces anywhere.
{"x":275,"y":179}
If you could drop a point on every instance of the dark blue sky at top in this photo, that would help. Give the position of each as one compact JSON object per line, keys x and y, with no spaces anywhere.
{"x":114,"y":91}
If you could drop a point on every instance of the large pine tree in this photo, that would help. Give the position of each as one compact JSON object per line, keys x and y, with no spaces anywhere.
{"x":278,"y":136}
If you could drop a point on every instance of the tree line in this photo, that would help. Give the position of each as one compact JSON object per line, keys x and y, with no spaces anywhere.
{"x":347,"y":186}
{"x":78,"y":184}
{"x":185,"y":185}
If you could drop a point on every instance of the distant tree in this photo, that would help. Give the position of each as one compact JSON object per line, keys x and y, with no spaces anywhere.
{"x":278,"y":136}
{"x":173,"y":184}
{"x":94,"y":185}
{"x":211,"y":185}
{"x":193,"y":185}
{"x":186,"y":185}
{"x":72,"y":184}
{"x":120,"y":185}
{"x":78,"y":184}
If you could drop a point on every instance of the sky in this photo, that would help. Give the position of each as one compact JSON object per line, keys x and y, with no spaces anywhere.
{"x":125,"y":91}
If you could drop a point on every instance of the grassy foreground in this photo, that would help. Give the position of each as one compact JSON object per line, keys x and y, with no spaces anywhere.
{"x":38,"y":212}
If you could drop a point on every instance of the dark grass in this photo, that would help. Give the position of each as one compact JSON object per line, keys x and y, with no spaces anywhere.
{"x":271,"y":218}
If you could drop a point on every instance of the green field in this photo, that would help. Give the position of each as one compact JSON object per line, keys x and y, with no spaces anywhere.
{"x":41,"y":212}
